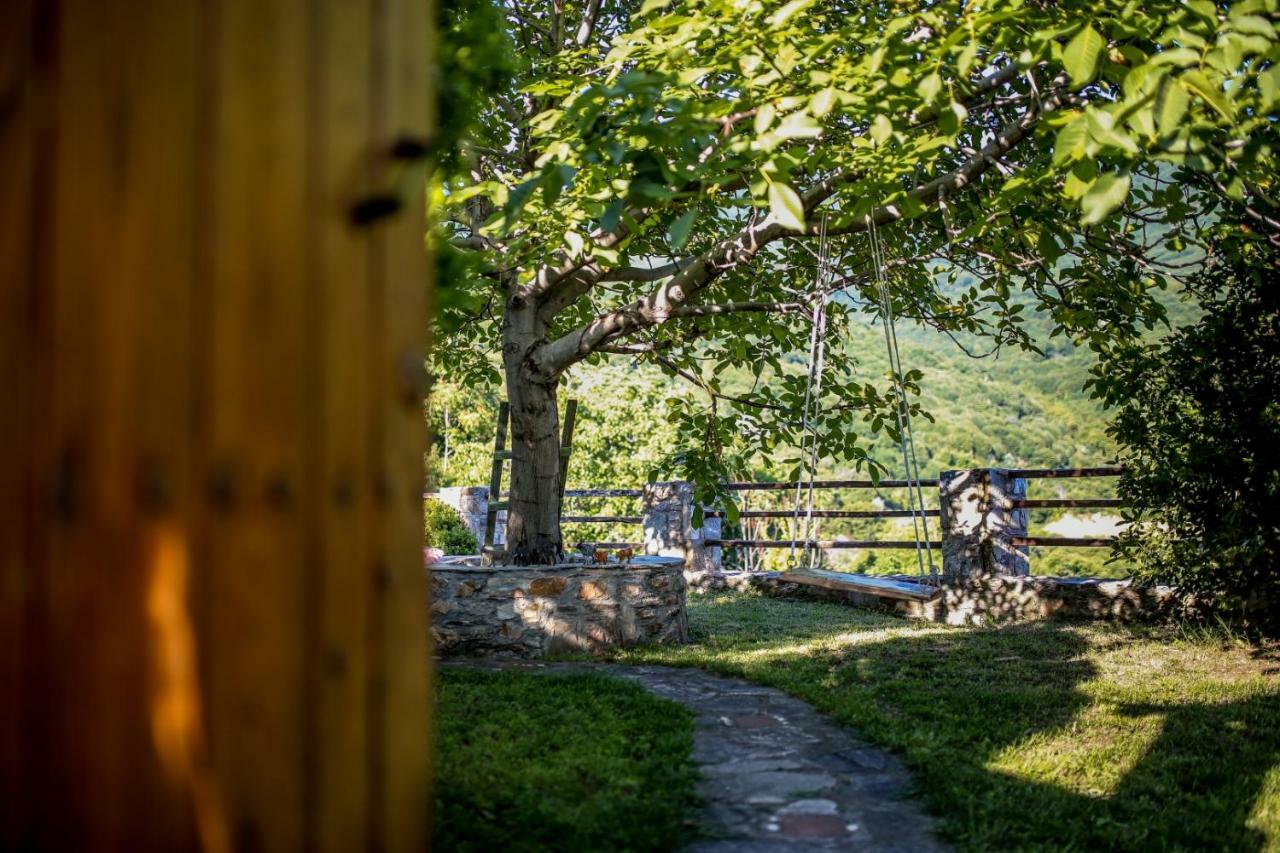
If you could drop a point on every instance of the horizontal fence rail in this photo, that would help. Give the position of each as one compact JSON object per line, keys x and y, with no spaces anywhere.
{"x":829,"y":484}
{"x":1066,"y":503}
{"x":602,"y":519}
{"x":609,"y":546}
{"x":1060,"y":473}
{"x":597,"y":493}
{"x":835,"y":544}
{"x":1061,"y":542}
{"x":826,"y":513}
{"x":816,"y":543}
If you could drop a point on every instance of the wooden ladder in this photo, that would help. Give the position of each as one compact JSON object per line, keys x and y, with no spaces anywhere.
{"x":501,"y":454}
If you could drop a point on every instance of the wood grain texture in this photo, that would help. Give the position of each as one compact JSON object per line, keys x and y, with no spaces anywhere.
{"x":401,"y":587}
{"x":215,"y":573}
{"x":342,"y":169}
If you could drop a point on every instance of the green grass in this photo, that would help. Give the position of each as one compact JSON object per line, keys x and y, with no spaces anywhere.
{"x":1037,"y":736}
{"x":545,"y":762}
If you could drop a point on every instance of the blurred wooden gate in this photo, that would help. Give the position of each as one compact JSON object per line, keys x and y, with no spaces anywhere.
{"x":212,"y":604}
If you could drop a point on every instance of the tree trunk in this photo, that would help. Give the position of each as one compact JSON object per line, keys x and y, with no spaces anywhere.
{"x":533,"y":514}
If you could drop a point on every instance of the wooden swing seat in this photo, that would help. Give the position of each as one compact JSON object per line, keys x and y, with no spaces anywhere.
{"x":866,"y":584}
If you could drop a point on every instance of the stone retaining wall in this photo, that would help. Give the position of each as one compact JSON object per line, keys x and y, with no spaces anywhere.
{"x":532,"y":611}
{"x":986,"y":600}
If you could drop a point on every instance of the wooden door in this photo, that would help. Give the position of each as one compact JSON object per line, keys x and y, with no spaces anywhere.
{"x":212,"y":604}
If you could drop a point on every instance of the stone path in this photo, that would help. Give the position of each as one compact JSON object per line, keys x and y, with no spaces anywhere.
{"x":777,"y":775}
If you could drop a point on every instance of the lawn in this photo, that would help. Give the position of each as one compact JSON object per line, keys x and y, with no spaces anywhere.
{"x":1035,"y":736}
{"x":542,"y":762}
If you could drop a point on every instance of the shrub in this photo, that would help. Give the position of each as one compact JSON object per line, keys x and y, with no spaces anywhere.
{"x":445,"y":529}
{"x":1198,"y":423}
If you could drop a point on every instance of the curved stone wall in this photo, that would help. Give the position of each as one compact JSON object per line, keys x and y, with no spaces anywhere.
{"x":532,"y":611}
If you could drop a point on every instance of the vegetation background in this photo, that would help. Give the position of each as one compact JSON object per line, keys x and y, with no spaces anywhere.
{"x":1006,"y":408}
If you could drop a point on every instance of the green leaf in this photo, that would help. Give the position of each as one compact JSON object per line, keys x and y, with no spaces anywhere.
{"x":678,"y":233}
{"x":822,"y":102}
{"x":612,"y":215}
{"x":780,"y":17}
{"x":881,"y":129}
{"x":1106,"y":195}
{"x":1200,"y":85}
{"x":930,"y":87}
{"x":1269,"y":86}
{"x":1171,"y":107}
{"x":764,"y":117}
{"x":799,"y":126}
{"x":1103,"y":130}
{"x":786,"y":207}
{"x":1072,"y":142}
{"x":1083,"y":55}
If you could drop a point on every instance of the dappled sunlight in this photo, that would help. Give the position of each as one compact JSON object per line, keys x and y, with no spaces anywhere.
{"x":1036,"y":735}
{"x":1266,"y":808}
{"x":1091,"y":755}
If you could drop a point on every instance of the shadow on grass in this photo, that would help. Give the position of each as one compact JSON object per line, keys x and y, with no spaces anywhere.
{"x":1015,"y":738}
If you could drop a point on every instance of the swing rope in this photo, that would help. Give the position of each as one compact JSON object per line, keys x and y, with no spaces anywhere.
{"x":812,"y":406}
{"x":906,"y":434}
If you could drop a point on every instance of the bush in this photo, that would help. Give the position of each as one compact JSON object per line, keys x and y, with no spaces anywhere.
{"x":445,"y":529}
{"x":1198,"y":423}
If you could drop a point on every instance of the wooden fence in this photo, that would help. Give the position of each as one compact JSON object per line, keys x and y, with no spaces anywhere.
{"x":1015,"y":503}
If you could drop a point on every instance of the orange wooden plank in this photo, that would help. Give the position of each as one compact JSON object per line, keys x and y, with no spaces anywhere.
{"x":340,"y":276}
{"x":256,"y":421}
{"x":403,"y":746}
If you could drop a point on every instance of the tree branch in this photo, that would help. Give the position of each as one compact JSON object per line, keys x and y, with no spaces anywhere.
{"x":657,"y":307}
{"x":964,"y":175}
{"x":736,"y":308}
{"x":644,"y":273}
{"x":588,"y":25}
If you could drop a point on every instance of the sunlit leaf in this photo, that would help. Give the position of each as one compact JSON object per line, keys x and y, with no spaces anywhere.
{"x":786,"y":206}
{"x":1108,"y":192}
{"x":1083,"y":55}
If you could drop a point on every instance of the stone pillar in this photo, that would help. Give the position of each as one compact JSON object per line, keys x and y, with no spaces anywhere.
{"x":669,"y":530}
{"x":472,"y":503}
{"x":979,"y":523}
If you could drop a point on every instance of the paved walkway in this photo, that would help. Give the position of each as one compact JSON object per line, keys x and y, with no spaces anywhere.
{"x":776,"y":774}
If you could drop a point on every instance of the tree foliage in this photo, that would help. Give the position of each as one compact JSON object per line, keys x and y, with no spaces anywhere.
{"x":1198,"y":423}
{"x":445,"y":529}
{"x":662,"y":183}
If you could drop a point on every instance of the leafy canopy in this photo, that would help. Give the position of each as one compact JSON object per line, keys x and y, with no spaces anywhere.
{"x":658,"y":188}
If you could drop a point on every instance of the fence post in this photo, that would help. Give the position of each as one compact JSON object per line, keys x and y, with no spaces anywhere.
{"x":979,"y":523}
{"x":669,"y":530}
{"x":472,"y":503}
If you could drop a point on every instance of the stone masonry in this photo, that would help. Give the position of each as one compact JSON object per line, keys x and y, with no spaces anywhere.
{"x":532,"y":611}
{"x":472,"y":503}
{"x":979,"y":524}
{"x":669,"y":530}
{"x":992,"y":599}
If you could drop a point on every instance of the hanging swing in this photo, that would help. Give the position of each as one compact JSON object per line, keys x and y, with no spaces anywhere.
{"x":810,"y":574}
